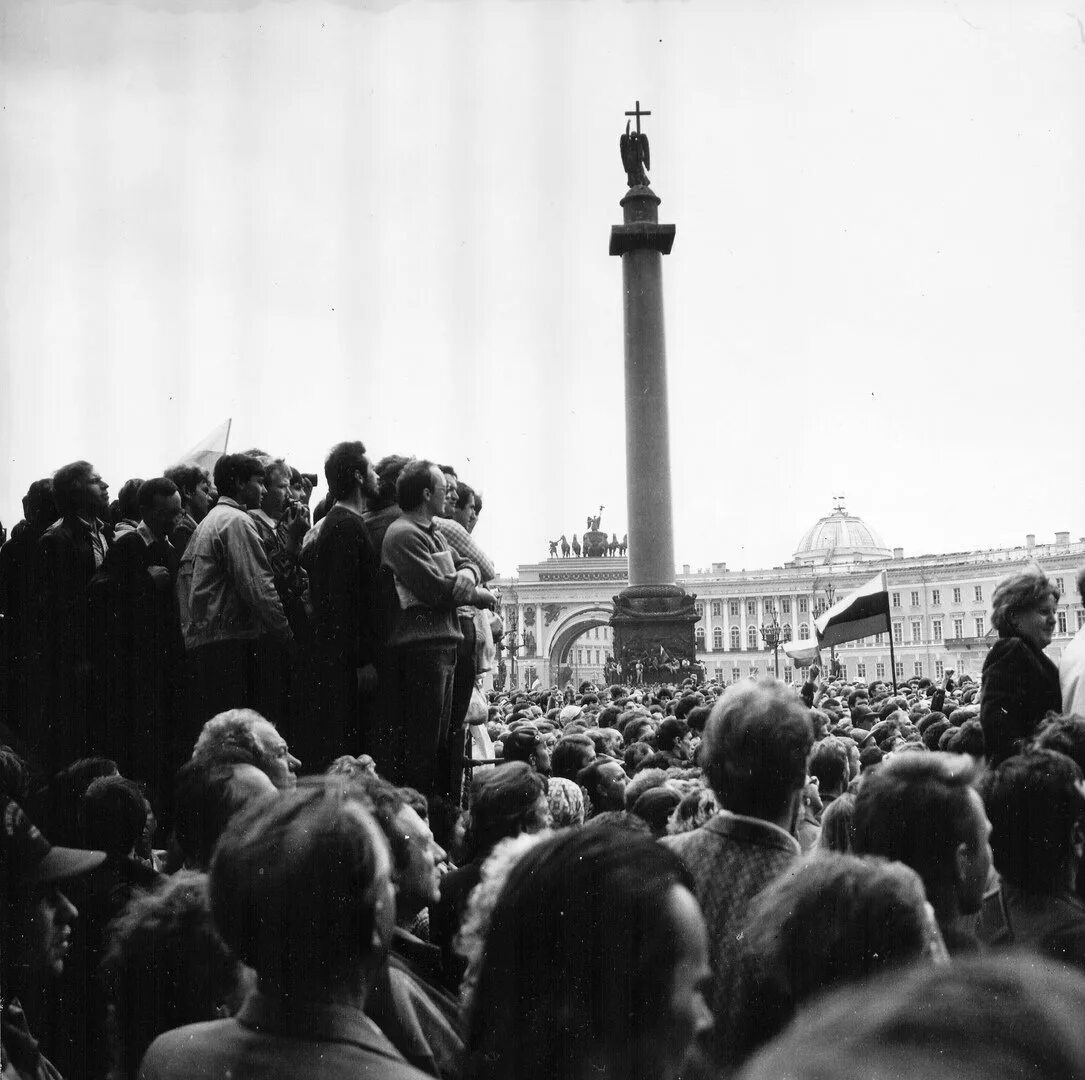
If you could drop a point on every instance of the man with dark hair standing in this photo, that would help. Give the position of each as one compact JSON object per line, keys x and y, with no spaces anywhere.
{"x":301,"y":892}
{"x":431,"y":582}
{"x":344,"y":570}
{"x":1072,"y":664}
{"x":72,"y":550}
{"x":754,"y":753}
{"x":236,"y":635}
{"x":922,"y":810}
{"x":194,"y":484}
{"x":142,"y":655}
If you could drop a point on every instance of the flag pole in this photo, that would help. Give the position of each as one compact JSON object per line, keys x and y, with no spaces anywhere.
{"x":892,"y":657}
{"x":226,"y":441}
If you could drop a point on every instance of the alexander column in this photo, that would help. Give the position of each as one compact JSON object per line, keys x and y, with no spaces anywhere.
{"x":653,"y":618}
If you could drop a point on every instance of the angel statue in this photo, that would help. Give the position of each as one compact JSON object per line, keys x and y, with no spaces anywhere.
{"x":635,"y":156}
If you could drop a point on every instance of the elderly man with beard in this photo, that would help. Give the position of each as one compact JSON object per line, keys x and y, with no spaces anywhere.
{"x":344,"y":568}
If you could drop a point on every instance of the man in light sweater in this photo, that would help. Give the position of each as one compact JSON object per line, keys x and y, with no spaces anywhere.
{"x":430,"y":582}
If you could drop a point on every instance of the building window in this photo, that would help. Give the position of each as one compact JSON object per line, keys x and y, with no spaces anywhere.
{"x":915,"y":599}
{"x":1059,"y":585}
{"x":956,"y":596}
{"x":717,"y":607}
{"x":733,"y":607}
{"x":917,"y":632}
{"x":751,"y":637}
{"x":879,"y":670}
{"x":736,"y":639}
{"x":804,"y":631}
{"x":803,"y":605}
{"x":785,"y":605}
{"x":751,"y":607}
{"x":979,"y":627}
{"x":1080,"y":619}
{"x":900,"y":669}
{"x":597,"y":656}
{"x":936,"y":597}
{"x":580,"y":656}
{"x":896,"y":599}
{"x":844,"y":672}
{"x":699,"y":635}
{"x":1061,"y":616}
{"x":917,"y":668}
{"x":788,"y":674}
{"x":819,"y":607}
{"x":770,"y":604}
{"x":958,"y":628}
{"x":878,"y":639}
{"x":700,"y":610}
{"x":939,"y":669}
{"x":717,"y":638}
{"x":936,"y":630}
{"x":979,"y":594}
{"x":736,"y":674}
{"x":860,"y":671}
{"x":898,"y":633}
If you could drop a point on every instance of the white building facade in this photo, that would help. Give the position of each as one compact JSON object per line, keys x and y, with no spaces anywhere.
{"x":557,"y":610}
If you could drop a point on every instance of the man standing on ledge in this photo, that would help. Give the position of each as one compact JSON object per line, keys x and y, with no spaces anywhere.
{"x":430,"y":583}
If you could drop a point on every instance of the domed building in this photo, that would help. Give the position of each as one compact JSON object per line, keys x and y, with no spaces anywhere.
{"x":839,"y":537}
{"x":557,"y":612}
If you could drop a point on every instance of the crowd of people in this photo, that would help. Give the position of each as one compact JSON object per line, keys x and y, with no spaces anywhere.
{"x":243,"y":726}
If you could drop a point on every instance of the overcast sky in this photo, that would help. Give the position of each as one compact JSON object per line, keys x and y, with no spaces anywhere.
{"x":390,"y":222}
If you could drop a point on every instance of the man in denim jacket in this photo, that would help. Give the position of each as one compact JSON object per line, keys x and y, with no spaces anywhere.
{"x":237,"y":640}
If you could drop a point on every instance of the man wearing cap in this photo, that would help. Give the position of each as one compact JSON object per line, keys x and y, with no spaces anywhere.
{"x":527,"y":744}
{"x":36,"y":930}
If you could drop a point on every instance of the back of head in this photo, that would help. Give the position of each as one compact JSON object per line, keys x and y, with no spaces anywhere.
{"x":995,"y":1018}
{"x":113,"y":814}
{"x":1034,"y":802}
{"x":206,"y":795}
{"x":829,"y":763}
{"x":230,"y":736}
{"x":301,"y":891}
{"x":755,"y":747}
{"x":577,"y":963}
{"x":838,"y":825}
{"x":165,"y":966}
{"x":669,"y":732}
{"x":914,"y":808}
{"x":1066,"y":734}
{"x":504,"y":802}
{"x":832,"y":920}
{"x":64,"y":797}
{"x":570,"y":755}
{"x":388,"y":470}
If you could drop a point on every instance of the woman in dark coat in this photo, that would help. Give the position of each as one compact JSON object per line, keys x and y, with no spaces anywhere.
{"x":1020,"y":684}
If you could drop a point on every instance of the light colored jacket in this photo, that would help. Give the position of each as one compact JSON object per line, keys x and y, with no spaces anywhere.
{"x":224,"y":588}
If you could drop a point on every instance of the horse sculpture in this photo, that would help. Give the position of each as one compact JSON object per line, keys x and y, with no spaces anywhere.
{"x":624,"y":544}
{"x":612,"y":547}
{"x":576,"y":546}
{"x":564,"y":546}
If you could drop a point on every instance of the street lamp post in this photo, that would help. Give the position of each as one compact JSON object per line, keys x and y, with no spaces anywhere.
{"x":773,"y":636}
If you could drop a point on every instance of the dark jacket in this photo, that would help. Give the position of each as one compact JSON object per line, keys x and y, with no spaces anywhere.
{"x":1020,"y":685}
{"x":343,"y":576}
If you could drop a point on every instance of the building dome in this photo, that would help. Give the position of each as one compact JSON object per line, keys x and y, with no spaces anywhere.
{"x":840,"y":537}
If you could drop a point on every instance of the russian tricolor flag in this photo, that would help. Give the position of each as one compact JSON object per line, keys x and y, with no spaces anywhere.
{"x":861,"y":614}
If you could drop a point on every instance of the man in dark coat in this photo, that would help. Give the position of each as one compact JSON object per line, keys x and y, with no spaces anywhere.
{"x":344,"y":566}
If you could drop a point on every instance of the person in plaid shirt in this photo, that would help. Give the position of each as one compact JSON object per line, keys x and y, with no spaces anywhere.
{"x":756,"y":743}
